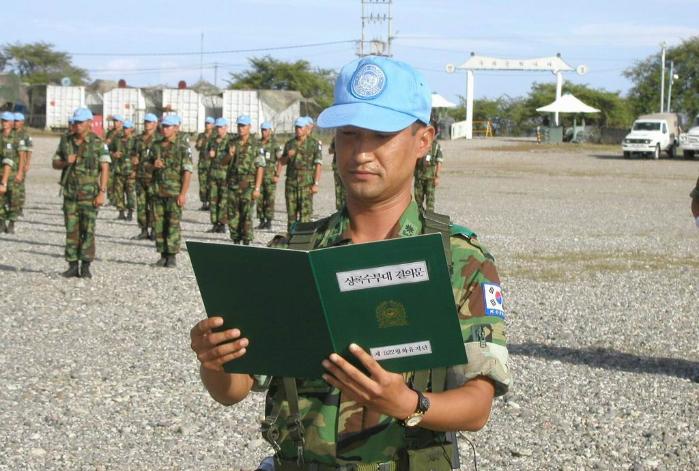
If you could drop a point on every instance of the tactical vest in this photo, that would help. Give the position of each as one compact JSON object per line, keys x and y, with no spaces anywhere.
{"x":300,"y":168}
{"x":425,"y":449}
{"x":218,"y":168}
{"x":123,"y":144}
{"x":242,"y":167}
{"x":144,"y":147}
{"x":8,"y":150}
{"x":271,"y":152}
{"x":168,"y":180}
{"x":82,"y":178}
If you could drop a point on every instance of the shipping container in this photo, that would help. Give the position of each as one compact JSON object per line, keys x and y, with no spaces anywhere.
{"x":281,"y":107}
{"x":188,"y":105}
{"x":128,"y":102}
{"x":50,"y":106}
{"x":242,"y":102}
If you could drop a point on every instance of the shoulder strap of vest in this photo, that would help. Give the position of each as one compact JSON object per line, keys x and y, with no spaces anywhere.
{"x":438,"y":223}
{"x":303,"y":233}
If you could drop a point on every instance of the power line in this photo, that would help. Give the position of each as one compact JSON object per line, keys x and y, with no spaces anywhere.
{"x":197,"y":53}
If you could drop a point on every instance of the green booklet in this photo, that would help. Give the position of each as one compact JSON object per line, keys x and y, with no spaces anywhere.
{"x":392,"y":297}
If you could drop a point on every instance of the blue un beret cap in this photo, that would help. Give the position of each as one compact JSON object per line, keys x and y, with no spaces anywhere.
{"x":7,"y":116}
{"x":380,"y":94}
{"x":300,"y":122}
{"x":243,"y":120}
{"x":221,"y":122}
{"x":266,"y":125}
{"x":150,"y":118}
{"x":170,"y":120}
{"x":309,"y":120}
{"x":178,"y":118}
{"x":128,"y":124}
{"x":19,"y":117}
{"x":82,"y":114}
{"x":209,"y":120}
{"x":117,"y":117}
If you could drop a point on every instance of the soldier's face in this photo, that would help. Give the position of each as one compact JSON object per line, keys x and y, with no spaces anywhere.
{"x":299,"y":131}
{"x":19,"y":124}
{"x":7,"y":126}
{"x":266,"y":133}
{"x":82,"y":127}
{"x":118,"y":125}
{"x":169,"y":131}
{"x":221,"y":130}
{"x":208,"y":127}
{"x":243,"y":130}
{"x":149,"y":125}
{"x":376,"y":166}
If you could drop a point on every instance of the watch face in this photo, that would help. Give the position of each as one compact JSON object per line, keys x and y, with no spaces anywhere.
{"x":424,"y":404}
{"x":413,"y":421}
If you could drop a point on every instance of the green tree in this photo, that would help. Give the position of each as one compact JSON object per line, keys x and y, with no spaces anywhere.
{"x":644,"y":96}
{"x":39,"y":63}
{"x":267,"y":73}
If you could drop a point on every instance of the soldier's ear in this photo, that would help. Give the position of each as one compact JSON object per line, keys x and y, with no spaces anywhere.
{"x":425,"y":136}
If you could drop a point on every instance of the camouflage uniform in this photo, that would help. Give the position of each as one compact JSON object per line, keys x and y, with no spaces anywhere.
{"x":111,"y":136}
{"x":265,"y":204}
{"x":339,"y":431}
{"x":425,"y":173}
{"x":695,"y":191}
{"x":218,"y":170}
{"x":124,"y":184}
{"x":144,"y":179}
{"x":300,"y":171}
{"x":241,"y":184}
{"x":203,"y":164}
{"x":339,"y":187}
{"x":167,"y":184}
{"x":80,"y":188}
{"x":24,"y":144}
{"x":10,"y":200}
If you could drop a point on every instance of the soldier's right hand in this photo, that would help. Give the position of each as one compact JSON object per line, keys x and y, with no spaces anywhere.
{"x":159,"y":163}
{"x":212,"y":154}
{"x":213,"y":349}
{"x":71,"y":159}
{"x":291,"y":152}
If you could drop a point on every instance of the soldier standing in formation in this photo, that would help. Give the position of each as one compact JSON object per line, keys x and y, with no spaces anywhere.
{"x":84,"y":160}
{"x":427,"y":176}
{"x":373,"y":419}
{"x":124,"y":191}
{"x":144,"y":176}
{"x":219,"y":153}
{"x":202,"y":144}
{"x":339,"y":189}
{"x":244,"y":180}
{"x":113,"y":135}
{"x":25,"y":147}
{"x":303,"y":161}
{"x":12,"y":174}
{"x":271,"y":152}
{"x":171,"y":162}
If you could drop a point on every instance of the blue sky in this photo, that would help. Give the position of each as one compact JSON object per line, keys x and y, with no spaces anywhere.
{"x":607,"y":36}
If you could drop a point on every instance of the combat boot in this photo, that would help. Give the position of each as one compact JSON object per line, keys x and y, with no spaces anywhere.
{"x":129,"y":215}
{"x":121,"y":216}
{"x":171,"y":261}
{"x":268,"y":224}
{"x":246,"y":242}
{"x":162,"y":262}
{"x":10,"y":227}
{"x":85,"y":270}
{"x":262,"y":224}
{"x":72,"y":271}
{"x":3,"y":227}
{"x":142,"y":235}
{"x":151,"y":236}
{"x":213,"y":229}
{"x":204,"y":207}
{"x":222,"y":228}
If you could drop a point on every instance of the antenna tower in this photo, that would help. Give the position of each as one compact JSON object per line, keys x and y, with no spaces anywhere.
{"x":376,"y":28}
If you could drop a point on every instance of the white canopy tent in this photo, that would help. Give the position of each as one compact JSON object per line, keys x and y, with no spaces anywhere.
{"x":567,"y":104}
{"x":438,"y":101}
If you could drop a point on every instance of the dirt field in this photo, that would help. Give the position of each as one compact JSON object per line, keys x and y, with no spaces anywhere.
{"x":599,"y":260}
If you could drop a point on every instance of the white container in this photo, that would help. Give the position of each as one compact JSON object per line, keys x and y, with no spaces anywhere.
{"x":61,"y":102}
{"x":188,"y":105}
{"x":240,"y":102}
{"x":128,"y":102}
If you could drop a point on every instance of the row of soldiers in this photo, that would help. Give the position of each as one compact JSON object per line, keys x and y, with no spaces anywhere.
{"x":15,"y":162}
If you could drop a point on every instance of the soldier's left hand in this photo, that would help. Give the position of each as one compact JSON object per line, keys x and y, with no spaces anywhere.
{"x":26,"y":168}
{"x":314,"y":189}
{"x":436,"y":181}
{"x":19,"y":178}
{"x":382,"y":391}
{"x":256,"y":194}
{"x":181,"y":200}
{"x":99,"y":200}
{"x":3,"y":188}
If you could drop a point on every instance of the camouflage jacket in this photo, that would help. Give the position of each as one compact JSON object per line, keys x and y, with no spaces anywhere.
{"x":125,"y":145}
{"x":24,"y":140}
{"x":245,"y":162}
{"x":112,"y":134}
{"x":202,"y":145}
{"x":9,"y":154}
{"x":141,"y":150}
{"x":177,"y":156}
{"x":221,"y":159}
{"x":425,"y":168}
{"x":271,"y":152}
{"x":81,"y":180}
{"x":695,"y":191}
{"x":340,"y":431}
{"x":300,"y":167}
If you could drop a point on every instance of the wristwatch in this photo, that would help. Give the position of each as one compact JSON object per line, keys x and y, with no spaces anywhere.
{"x":416,"y":417}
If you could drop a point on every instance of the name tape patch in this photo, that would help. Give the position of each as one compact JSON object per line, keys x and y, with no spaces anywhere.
{"x":389,"y":275}
{"x":402,"y":350}
{"x":492,"y":300}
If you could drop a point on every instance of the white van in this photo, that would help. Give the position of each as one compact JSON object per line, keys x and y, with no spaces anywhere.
{"x":652,"y":134}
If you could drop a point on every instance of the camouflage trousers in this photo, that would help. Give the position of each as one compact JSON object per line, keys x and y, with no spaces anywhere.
{"x":203,"y":174}
{"x":22,"y":195}
{"x":80,"y":219}
{"x":240,"y":205}
{"x":218,"y":200}
{"x":299,"y":204}
{"x":111,"y":195}
{"x":124,"y":192}
{"x":10,"y":202}
{"x":339,"y":192}
{"x":166,"y":225}
{"x":424,"y":193}
{"x":265,"y":204}
{"x":144,"y":204}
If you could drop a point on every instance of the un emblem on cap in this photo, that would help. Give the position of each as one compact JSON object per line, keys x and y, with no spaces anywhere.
{"x":368,"y":82}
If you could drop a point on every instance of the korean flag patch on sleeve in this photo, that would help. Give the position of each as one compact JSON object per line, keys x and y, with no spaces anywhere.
{"x":492,"y":300}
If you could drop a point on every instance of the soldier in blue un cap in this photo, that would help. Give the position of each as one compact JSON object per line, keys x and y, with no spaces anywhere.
{"x":381,"y":117}
{"x":203,"y":162}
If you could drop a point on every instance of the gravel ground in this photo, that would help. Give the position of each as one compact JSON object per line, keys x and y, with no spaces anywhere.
{"x":600,"y":265}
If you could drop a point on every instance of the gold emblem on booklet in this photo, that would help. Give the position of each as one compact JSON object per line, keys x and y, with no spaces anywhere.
{"x":391,"y":314}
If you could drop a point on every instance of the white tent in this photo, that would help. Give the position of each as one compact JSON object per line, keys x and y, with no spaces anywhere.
{"x":566,"y":104}
{"x":438,"y":101}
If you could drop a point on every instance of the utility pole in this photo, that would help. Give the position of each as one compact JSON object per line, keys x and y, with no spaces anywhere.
{"x":376,"y":14}
{"x":216,"y":74}
{"x":662,"y":77}
{"x":201,"y":58}
{"x":669,"y":91}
